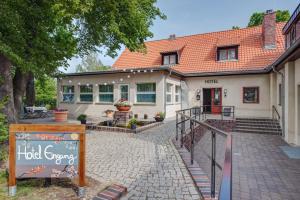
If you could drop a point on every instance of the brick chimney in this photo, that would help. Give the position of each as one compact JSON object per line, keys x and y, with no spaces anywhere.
{"x":172,"y":37}
{"x":269,"y":30}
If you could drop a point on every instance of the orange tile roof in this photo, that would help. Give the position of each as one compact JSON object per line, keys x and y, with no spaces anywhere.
{"x":198,"y":52}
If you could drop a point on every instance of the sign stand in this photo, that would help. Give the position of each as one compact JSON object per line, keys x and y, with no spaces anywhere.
{"x":46,"y":151}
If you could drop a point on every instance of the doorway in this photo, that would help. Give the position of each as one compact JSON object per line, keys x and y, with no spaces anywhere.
{"x":212,"y":100}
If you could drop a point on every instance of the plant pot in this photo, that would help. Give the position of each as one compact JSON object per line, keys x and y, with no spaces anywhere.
{"x":133,"y":126}
{"x":60,"y":116}
{"x":123,"y":108}
{"x":83,"y":121}
{"x":158,"y":119}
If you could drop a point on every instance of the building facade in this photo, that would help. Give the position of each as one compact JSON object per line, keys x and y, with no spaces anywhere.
{"x":244,"y":68}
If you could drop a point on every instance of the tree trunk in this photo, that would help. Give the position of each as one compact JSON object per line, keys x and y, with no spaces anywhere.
{"x":19,"y":82}
{"x":6,"y":88}
{"x":30,"y":90}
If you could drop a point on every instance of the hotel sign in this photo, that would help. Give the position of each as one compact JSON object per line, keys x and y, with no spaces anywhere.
{"x":211,"y":81}
{"x":46,"y":151}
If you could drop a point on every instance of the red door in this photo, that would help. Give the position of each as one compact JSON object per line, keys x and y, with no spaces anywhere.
{"x":216,"y":100}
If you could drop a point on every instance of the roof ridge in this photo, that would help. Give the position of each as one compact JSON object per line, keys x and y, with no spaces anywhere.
{"x":228,"y":30}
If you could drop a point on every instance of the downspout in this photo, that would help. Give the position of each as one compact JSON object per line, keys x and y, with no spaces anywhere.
{"x":282,"y":98}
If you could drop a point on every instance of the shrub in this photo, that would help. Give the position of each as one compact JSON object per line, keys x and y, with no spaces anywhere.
{"x":81,"y":117}
{"x":161,"y":115}
{"x":133,"y":121}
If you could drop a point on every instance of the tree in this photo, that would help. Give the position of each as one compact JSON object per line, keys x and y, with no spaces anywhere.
{"x":91,"y":63}
{"x":235,"y":27}
{"x":46,"y":91}
{"x":257,"y":17}
{"x":39,"y":36}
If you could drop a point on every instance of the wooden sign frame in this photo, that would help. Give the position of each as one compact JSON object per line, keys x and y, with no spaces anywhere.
{"x":49,"y":129}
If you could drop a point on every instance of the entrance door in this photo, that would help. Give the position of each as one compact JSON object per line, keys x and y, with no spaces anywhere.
{"x":216,"y":100}
{"x":207,"y":100}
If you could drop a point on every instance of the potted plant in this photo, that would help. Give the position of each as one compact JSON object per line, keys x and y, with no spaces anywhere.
{"x":60,"y":115}
{"x":82,"y":118}
{"x":122,"y":105}
{"x":109,"y":113}
{"x":160,"y":116}
{"x":132,"y":123}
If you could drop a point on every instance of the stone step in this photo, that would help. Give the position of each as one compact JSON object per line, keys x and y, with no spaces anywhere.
{"x":258,"y":131}
{"x":255,"y":120}
{"x":260,"y":127}
{"x":258,"y":123}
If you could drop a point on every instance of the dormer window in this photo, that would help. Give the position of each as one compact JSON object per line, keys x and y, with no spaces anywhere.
{"x":227,"y":53}
{"x":170,"y":59}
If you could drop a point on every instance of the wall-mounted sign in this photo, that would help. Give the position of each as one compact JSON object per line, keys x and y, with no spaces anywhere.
{"x":46,"y":151}
{"x":211,"y":81}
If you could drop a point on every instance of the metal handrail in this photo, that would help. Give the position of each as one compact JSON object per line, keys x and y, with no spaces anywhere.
{"x":226,"y":182}
{"x":275,"y":111}
{"x":222,"y":112}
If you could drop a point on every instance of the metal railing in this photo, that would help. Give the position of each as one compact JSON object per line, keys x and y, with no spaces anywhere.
{"x":275,"y":113}
{"x":225,"y":112}
{"x":188,"y":121}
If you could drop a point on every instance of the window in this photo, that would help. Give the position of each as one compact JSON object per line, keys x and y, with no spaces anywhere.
{"x":251,"y":95}
{"x":228,"y":53}
{"x":146,"y":93}
{"x":124,"y":92}
{"x":68,"y":93}
{"x":177,"y":94}
{"x":86,"y":93}
{"x":279,"y":94}
{"x":169,"y":93}
{"x":106,"y":93}
{"x":170,"y":59}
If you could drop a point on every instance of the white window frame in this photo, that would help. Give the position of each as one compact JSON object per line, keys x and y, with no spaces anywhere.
{"x":68,"y":93}
{"x":177,"y":93}
{"x":99,"y":93}
{"x":136,"y":102}
{"x":128,"y":91}
{"x":169,"y":93}
{"x":92,"y":93}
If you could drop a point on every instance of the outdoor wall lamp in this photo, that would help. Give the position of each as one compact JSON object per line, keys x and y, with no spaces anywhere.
{"x":198,"y":97}
{"x":225,"y":92}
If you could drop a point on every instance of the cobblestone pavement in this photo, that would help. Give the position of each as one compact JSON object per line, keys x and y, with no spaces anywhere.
{"x":146,"y":163}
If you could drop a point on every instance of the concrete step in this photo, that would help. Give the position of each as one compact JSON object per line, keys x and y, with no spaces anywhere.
{"x":258,"y":131}
{"x":261,"y":127}
{"x":258,"y":123}
{"x":255,"y":119}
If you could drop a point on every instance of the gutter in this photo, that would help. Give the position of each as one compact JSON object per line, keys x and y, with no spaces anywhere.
{"x":282,"y":98}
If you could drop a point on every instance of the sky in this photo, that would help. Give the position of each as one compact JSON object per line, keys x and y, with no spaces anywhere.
{"x":187,"y":17}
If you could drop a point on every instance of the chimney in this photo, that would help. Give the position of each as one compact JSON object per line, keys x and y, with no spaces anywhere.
{"x":172,"y":37}
{"x":269,"y":30}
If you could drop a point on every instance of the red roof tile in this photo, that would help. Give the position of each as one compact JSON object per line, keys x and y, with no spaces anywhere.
{"x":198,"y":52}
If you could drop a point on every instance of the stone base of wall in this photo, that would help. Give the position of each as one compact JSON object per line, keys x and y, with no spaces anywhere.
{"x":122,"y":130}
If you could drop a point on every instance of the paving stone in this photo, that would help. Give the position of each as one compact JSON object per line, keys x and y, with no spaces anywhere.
{"x":146,"y":163}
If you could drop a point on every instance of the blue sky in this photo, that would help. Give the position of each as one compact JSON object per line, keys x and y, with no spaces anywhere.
{"x":186,"y":17}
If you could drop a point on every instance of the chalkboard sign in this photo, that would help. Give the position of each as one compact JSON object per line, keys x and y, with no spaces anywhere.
{"x":46,"y":151}
{"x":227,"y":112}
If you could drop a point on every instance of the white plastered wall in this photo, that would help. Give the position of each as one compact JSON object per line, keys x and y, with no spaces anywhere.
{"x":171,"y":108}
{"x":234,"y":86}
{"x":96,"y":110}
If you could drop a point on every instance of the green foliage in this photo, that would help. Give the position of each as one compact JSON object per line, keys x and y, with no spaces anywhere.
{"x":91,"y":63}
{"x":3,"y":124}
{"x":81,"y":117}
{"x":131,"y":122}
{"x":235,"y":27}
{"x":40,"y":36}
{"x":45,"y":89}
{"x":161,"y":115}
{"x":257,"y":17}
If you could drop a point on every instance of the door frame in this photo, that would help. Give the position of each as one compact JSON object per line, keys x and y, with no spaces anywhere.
{"x":120,"y":85}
